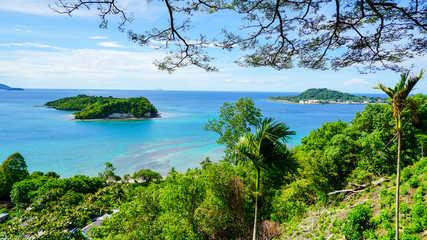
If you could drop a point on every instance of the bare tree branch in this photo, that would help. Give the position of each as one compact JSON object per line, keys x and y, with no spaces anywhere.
{"x":375,"y":34}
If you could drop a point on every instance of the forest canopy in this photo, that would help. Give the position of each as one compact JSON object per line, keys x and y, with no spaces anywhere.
{"x":92,"y":107}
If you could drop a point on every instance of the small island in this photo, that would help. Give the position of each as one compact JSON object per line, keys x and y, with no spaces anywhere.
{"x":326,"y":96}
{"x":106,"y":108}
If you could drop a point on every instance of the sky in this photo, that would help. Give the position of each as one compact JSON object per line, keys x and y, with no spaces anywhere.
{"x":43,"y":49}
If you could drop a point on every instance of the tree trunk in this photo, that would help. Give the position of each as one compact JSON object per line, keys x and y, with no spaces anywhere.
{"x":397,"y":184}
{"x":254,"y":236}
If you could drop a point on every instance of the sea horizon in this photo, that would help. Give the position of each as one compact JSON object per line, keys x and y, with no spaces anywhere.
{"x":177,"y":90}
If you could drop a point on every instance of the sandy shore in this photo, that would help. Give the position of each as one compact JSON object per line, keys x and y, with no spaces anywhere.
{"x":109,"y":119}
{"x":320,"y":103}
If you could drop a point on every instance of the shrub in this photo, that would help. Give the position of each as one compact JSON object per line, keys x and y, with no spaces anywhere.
{"x":413,"y":181}
{"x":357,"y":222}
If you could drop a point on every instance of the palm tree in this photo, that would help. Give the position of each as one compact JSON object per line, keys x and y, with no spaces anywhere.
{"x":399,"y":98}
{"x":266,"y":150}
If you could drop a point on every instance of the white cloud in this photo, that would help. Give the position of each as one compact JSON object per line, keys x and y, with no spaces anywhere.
{"x":21,"y":28}
{"x":98,"y":37}
{"x":37,"y":7}
{"x":86,"y":68}
{"x":103,"y":68}
{"x":112,"y":44}
{"x":36,"y":45}
{"x":41,"y":7}
{"x":357,"y":81}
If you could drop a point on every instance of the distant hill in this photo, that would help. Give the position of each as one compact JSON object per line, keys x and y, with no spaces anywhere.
{"x":323,"y":95}
{"x":4,"y":86}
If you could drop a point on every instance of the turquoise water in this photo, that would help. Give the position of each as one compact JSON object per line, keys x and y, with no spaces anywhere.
{"x":50,"y":141}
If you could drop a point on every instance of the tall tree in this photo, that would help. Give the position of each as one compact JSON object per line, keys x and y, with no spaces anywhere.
{"x":12,"y":170}
{"x":234,"y":120}
{"x":266,"y":150}
{"x":317,"y":34}
{"x":399,"y":98}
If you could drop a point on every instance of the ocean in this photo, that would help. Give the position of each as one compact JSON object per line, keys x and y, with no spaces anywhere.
{"x":50,"y":141}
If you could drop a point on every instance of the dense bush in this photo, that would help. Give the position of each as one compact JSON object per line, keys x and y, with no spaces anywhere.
{"x":206,"y":203}
{"x":357,"y":222}
{"x":28,"y":190}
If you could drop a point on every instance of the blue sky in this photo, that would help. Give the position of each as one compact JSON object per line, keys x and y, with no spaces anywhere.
{"x":43,"y":49}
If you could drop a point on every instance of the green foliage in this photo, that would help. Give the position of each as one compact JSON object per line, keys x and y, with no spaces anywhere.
{"x":320,"y":138}
{"x":293,"y":199}
{"x":328,"y":155}
{"x":267,"y":151}
{"x":234,"y":120}
{"x":61,"y":212}
{"x":12,"y":170}
{"x":216,"y":201}
{"x":51,"y":174}
{"x":326,"y":95}
{"x":91,"y":107}
{"x":147,"y":176}
{"x":31,"y":189}
{"x":357,"y":222}
{"x":108,"y":175}
{"x":200,"y":204}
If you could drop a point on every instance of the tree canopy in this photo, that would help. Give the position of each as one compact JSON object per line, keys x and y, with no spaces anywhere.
{"x":147,"y":175}
{"x":12,"y":170}
{"x":234,"y":120}
{"x":315,"y":34}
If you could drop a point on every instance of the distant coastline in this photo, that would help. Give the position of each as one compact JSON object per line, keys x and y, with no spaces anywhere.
{"x":15,"y":89}
{"x":6,"y":87}
{"x":317,"y":96}
{"x":314,"y":102}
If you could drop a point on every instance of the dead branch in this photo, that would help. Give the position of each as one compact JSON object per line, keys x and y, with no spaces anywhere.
{"x":359,"y":188}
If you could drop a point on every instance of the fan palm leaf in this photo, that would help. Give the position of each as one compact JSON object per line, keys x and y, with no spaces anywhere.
{"x":266,"y":150}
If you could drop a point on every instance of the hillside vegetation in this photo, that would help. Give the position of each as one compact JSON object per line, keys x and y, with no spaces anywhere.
{"x":327,"y":96}
{"x":217,"y":200}
{"x":92,"y":107}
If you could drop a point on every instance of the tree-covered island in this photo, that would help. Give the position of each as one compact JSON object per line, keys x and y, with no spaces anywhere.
{"x":93,"y":107}
{"x":324,"y":96}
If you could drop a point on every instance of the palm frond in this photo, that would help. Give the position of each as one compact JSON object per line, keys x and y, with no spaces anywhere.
{"x":265,"y":148}
{"x":385,"y":89}
{"x":411,"y":82}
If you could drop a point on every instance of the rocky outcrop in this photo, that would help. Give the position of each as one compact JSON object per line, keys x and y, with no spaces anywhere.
{"x":120,"y":116}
